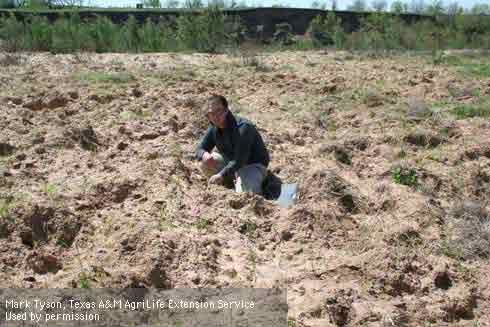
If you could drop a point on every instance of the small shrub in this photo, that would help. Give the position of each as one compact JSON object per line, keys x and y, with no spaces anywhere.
{"x":468,"y":231}
{"x":156,"y":37}
{"x":204,"y":32}
{"x":105,"y":34}
{"x":405,"y":176}
{"x":12,"y":33}
{"x":70,"y":35}
{"x":38,"y":34}
{"x":130,"y":39}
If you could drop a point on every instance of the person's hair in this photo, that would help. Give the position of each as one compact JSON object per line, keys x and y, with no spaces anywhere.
{"x":219,"y":98}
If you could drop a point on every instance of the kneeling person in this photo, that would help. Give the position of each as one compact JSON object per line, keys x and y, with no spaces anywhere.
{"x":242,"y":155}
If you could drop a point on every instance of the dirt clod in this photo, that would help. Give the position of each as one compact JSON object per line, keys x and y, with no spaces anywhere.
{"x":42,"y":263}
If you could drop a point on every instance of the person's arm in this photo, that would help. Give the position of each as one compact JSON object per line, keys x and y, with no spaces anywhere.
{"x":207,"y":144}
{"x":241,"y":152}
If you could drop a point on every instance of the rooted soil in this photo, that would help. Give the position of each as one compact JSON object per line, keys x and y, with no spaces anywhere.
{"x":98,"y":182}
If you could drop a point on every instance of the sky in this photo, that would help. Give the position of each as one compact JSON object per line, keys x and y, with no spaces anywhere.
{"x":342,"y":4}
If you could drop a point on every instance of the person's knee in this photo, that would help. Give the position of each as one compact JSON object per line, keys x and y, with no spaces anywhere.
{"x":250,"y":179}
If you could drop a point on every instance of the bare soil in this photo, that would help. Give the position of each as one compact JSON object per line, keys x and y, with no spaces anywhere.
{"x":99,"y":187}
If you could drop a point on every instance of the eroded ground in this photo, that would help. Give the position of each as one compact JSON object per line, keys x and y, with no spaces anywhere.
{"x":392,"y":154}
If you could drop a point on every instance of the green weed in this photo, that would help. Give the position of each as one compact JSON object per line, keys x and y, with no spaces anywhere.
{"x":203,"y":223}
{"x":405,"y":176}
{"x":469,"y":111}
{"x":84,"y":281}
{"x":452,"y":250}
{"x":248,"y":228}
{"x":50,"y":190}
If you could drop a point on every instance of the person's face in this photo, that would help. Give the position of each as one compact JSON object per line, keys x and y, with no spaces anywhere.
{"x":216,"y":114}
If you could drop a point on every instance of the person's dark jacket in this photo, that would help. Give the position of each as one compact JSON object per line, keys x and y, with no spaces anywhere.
{"x":239,"y":141}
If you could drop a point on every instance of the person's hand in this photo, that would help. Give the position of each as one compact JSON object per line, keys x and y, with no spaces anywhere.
{"x":208,"y":159}
{"x":216,"y":179}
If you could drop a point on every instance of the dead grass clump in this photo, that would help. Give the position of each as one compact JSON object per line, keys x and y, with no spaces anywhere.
{"x":468,"y":231}
{"x":249,"y":59}
{"x":423,"y":138}
{"x":328,"y":185}
{"x":85,"y":136}
{"x":480,"y":183}
{"x":477,"y":151}
{"x":339,"y":307}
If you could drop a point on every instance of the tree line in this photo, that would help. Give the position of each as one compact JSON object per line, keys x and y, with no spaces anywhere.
{"x":421,"y":7}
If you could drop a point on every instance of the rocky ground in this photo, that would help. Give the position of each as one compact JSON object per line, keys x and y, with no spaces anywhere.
{"x":98,"y":186}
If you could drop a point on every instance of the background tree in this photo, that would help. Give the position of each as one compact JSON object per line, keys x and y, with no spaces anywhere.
{"x":171,"y":4}
{"x":358,"y":6}
{"x":479,"y":9}
{"x":193,"y":4}
{"x":152,"y":4}
{"x":379,"y":5}
{"x":319,"y":5}
{"x":334,"y":5}
{"x":7,"y":4}
{"x":454,"y":9}
{"x":399,"y":7}
{"x":435,"y":8}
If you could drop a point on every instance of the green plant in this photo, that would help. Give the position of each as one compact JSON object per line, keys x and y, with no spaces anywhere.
{"x":12,"y":33}
{"x":50,"y":190}
{"x":39,"y":34}
{"x":62,"y":243}
{"x":156,"y":37}
{"x":451,"y":250}
{"x":4,"y":209}
{"x":203,"y":223}
{"x":405,"y":176}
{"x":68,"y":34}
{"x":469,"y":111}
{"x":130,"y":38}
{"x":84,"y":281}
{"x":249,"y":228}
{"x":105,"y":34}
